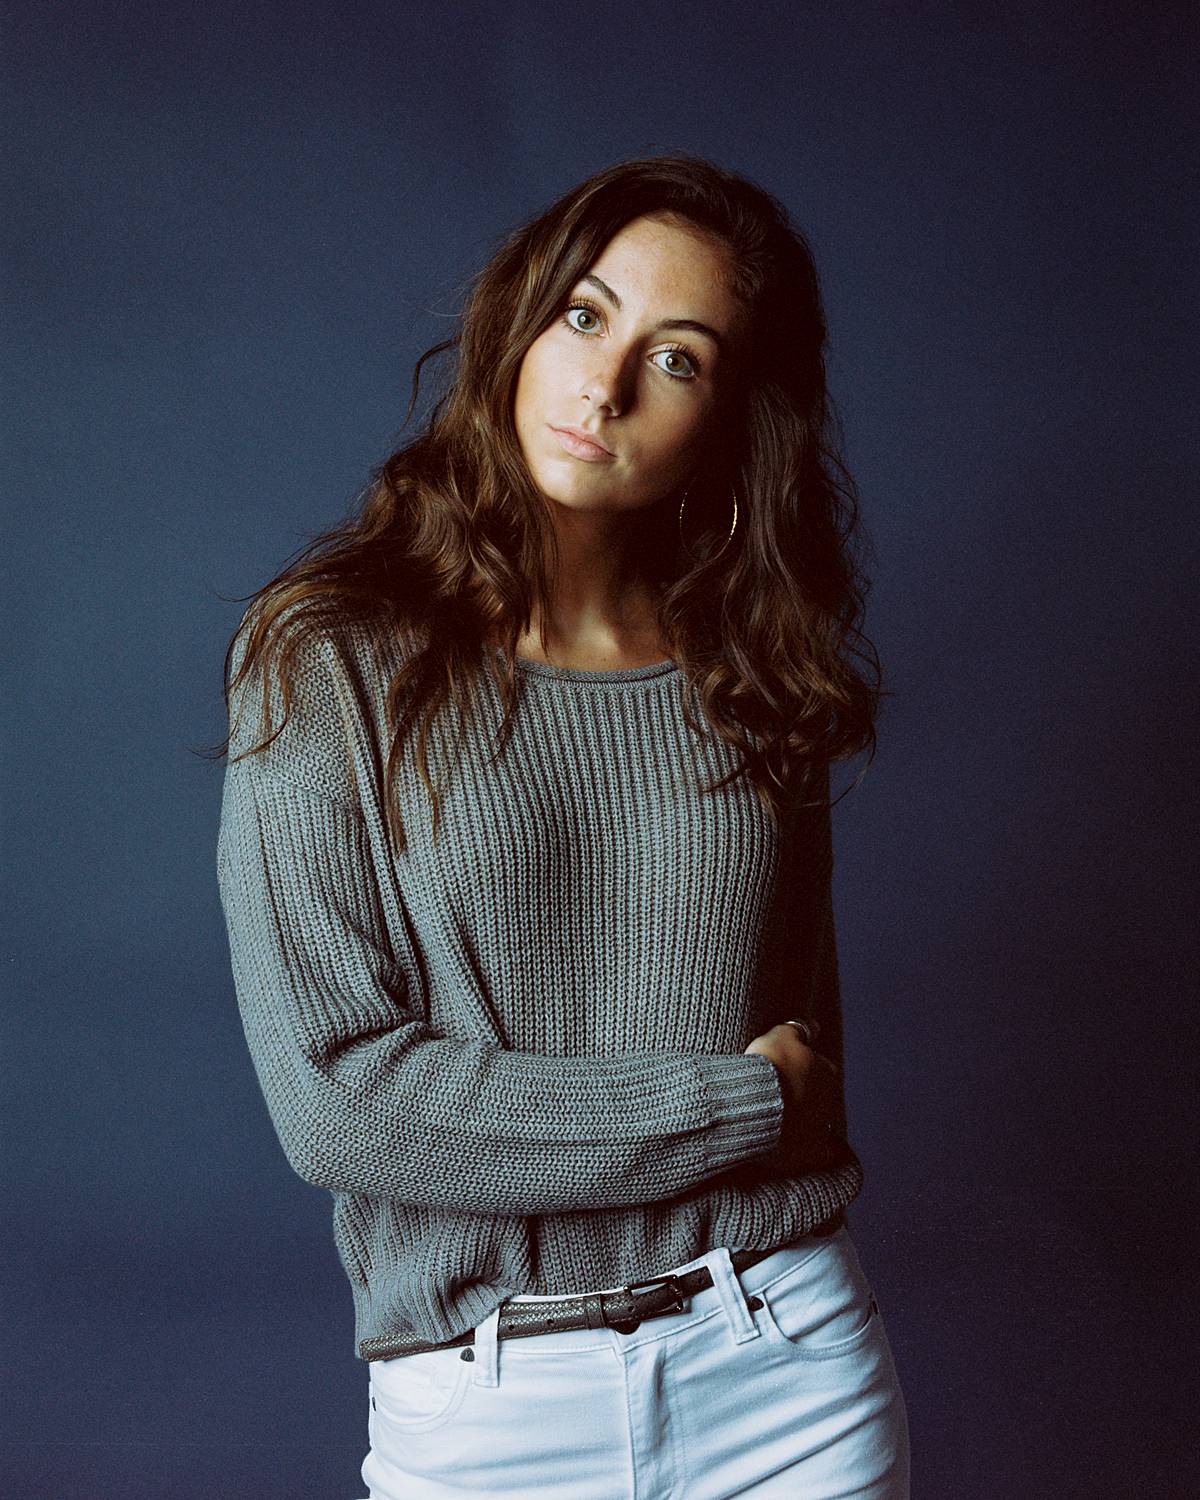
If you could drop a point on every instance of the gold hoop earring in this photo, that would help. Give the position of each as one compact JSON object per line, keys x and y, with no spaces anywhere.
{"x":723,"y":545}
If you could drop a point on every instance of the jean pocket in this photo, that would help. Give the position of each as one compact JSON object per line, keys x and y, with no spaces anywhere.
{"x":417,"y":1392}
{"x":823,"y":1308}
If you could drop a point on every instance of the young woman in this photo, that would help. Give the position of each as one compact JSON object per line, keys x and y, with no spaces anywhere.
{"x":550,"y":1004}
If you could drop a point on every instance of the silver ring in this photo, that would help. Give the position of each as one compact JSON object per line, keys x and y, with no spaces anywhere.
{"x":809,"y":1030}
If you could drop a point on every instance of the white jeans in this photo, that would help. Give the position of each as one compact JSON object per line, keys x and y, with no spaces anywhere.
{"x":778,"y":1383}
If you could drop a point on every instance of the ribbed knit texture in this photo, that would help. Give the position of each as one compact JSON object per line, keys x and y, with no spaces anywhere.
{"x":516,"y":1057}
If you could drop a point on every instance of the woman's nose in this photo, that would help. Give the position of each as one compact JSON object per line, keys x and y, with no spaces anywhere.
{"x":605,"y":385}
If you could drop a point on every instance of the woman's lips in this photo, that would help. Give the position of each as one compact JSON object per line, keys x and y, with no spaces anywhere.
{"x":580,"y":448}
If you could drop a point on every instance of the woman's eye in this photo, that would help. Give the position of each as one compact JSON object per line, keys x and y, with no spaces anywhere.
{"x":587,"y":312}
{"x":676,"y":354}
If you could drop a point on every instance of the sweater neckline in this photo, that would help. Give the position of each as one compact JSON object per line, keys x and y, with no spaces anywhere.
{"x":579,"y":674}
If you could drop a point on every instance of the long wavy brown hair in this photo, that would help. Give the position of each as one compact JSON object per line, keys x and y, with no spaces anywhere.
{"x":452,"y":543}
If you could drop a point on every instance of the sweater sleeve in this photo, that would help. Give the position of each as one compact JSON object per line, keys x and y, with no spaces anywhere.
{"x":815,"y":996}
{"x":825,"y":996}
{"x":825,"y":1006}
{"x":365,"y":1096}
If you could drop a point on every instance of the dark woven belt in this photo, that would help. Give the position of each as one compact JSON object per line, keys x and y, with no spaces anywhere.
{"x":623,"y":1310}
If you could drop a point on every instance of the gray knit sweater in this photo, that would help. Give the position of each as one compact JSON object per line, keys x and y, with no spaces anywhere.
{"x":515,"y":1056}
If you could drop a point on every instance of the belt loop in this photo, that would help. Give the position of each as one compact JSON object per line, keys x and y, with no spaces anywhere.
{"x":487,"y":1350}
{"x":733,"y":1298}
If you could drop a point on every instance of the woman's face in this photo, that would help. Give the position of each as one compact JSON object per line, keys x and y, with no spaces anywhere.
{"x":646,"y":391}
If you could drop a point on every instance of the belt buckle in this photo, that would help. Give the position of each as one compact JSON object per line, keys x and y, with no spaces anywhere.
{"x":679,"y":1304}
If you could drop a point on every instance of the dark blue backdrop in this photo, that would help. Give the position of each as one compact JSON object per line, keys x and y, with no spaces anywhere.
{"x":231,"y":229}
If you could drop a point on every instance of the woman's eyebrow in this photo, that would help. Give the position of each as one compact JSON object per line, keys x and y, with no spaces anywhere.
{"x":603,"y":286}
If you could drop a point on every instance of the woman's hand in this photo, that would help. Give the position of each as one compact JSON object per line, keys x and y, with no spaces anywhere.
{"x":811,"y":1085}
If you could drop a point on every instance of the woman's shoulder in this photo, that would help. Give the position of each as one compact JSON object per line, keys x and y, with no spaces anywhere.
{"x":325,"y":636}
{"x":318,"y":672}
